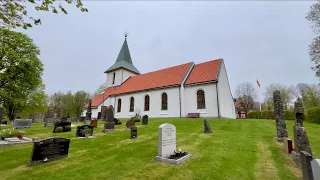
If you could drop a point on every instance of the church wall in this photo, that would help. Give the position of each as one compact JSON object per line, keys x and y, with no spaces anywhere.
{"x":155,"y":103}
{"x":227,"y":108}
{"x":190,"y":100}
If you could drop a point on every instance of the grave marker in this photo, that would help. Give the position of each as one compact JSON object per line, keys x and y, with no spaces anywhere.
{"x":134,"y":132}
{"x":48,"y":150}
{"x":22,"y":123}
{"x":279,"y":116}
{"x":84,"y":131}
{"x":109,"y":123}
{"x":145,"y":120}
{"x":306,"y":159}
{"x":207,"y":128}
{"x":287,"y":144}
{"x":94,"y":123}
{"x":315,"y":165}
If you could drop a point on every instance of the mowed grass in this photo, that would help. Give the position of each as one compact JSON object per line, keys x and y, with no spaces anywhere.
{"x":237,"y":149}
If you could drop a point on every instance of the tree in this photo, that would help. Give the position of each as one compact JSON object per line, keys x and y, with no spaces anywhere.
{"x":13,"y":13}
{"x":79,"y":100}
{"x":314,"y":49}
{"x":20,"y":70}
{"x":286,"y":95}
{"x":246,"y":93}
{"x":100,"y":89}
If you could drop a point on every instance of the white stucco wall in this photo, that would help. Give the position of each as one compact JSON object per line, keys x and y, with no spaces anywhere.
{"x":190,"y":100}
{"x":121,"y":76}
{"x":227,"y":108}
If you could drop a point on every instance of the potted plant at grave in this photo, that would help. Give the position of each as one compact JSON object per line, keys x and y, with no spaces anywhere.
{"x":20,"y":134}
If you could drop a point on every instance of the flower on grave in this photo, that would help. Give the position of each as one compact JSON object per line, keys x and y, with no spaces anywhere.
{"x":179,"y":150}
{"x":45,"y":159}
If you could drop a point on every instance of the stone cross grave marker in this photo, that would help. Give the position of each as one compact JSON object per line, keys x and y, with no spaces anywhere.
{"x":145,"y":120}
{"x":134,"y":132}
{"x":22,"y":123}
{"x":166,"y":140}
{"x":207,"y":128}
{"x":279,"y":116}
{"x":48,"y":150}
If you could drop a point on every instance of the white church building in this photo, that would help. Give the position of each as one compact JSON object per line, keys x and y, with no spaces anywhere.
{"x":172,"y":92}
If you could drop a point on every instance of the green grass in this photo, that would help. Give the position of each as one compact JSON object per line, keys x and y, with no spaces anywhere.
{"x":237,"y":149}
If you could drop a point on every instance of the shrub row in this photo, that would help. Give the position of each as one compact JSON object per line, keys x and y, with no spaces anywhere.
{"x":313,"y":115}
{"x":288,"y":115}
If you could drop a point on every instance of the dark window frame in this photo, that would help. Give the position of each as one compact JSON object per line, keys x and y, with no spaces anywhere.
{"x":201,"y":99}
{"x":131,"y":104}
{"x":164,"y":101}
{"x":146,"y":103}
{"x":114,"y":78}
{"x":119,"y":105}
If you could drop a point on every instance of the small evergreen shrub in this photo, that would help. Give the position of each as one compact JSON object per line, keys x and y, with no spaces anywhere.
{"x":59,"y":129}
{"x":313,"y":115}
{"x":67,"y":128}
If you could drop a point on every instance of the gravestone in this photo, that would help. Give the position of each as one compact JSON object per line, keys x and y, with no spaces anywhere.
{"x":84,"y":130}
{"x":49,"y":120}
{"x":109,"y":123}
{"x":287,"y":145}
{"x":48,"y":150}
{"x":22,"y":123}
{"x":279,"y":116}
{"x":301,"y":141}
{"x":207,"y":128}
{"x":134,"y":132}
{"x":145,"y":120}
{"x":306,"y":159}
{"x":315,"y":165}
{"x":130,"y":123}
{"x":39,"y":117}
{"x":74,"y":119}
{"x":88,"y":113}
{"x":94,"y":123}
{"x":99,"y":115}
{"x":104,"y":114}
{"x":62,"y":124}
{"x":167,"y":144}
{"x":117,"y":122}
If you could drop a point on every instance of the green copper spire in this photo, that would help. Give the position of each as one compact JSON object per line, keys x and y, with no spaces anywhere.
{"x":124,"y":59}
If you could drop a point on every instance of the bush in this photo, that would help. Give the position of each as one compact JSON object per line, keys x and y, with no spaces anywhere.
{"x":67,"y":128}
{"x":314,"y":115}
{"x":8,"y":133}
{"x":59,"y":129}
{"x":288,"y":115}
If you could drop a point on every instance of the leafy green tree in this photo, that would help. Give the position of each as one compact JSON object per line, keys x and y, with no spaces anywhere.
{"x":287,"y":95}
{"x":79,"y":100}
{"x":13,"y":13}
{"x":314,"y":49}
{"x":20,"y":70}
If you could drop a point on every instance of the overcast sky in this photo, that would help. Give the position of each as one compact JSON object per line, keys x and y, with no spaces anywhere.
{"x":264,"y":40}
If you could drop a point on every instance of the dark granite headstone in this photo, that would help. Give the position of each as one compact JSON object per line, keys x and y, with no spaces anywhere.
{"x":145,"y":120}
{"x":83,"y":130}
{"x":279,"y":115}
{"x":109,"y":123}
{"x":88,"y":114}
{"x":207,"y":128}
{"x":22,"y":123}
{"x":134,"y":132}
{"x":94,"y":123}
{"x":62,"y":124}
{"x":99,"y":115}
{"x":306,"y":159}
{"x":48,"y":150}
{"x":130,"y":123}
{"x":104,"y":114}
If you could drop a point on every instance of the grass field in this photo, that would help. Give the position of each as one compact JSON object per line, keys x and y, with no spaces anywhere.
{"x":237,"y":149}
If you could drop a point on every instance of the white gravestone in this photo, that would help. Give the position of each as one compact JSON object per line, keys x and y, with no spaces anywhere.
{"x":315,"y":165}
{"x":166,"y":140}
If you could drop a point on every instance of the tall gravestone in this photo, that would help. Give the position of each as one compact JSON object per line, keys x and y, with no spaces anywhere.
{"x":279,"y":115}
{"x":49,"y":120}
{"x":109,"y":123}
{"x":145,"y":120}
{"x":99,"y":115}
{"x":134,"y":132}
{"x":306,"y":159}
{"x":207,"y":128}
{"x":89,"y":112}
{"x":301,"y":141}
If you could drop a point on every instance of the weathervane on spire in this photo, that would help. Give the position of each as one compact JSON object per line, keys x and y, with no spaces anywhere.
{"x":126,"y":34}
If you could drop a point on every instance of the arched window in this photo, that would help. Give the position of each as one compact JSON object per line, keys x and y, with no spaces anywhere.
{"x":146,"y":102}
{"x":119,"y":105}
{"x":164,"y":101}
{"x":201,"y":102}
{"x":131,"y":104}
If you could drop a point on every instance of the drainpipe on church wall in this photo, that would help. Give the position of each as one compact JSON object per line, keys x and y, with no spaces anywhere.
{"x":218,"y":104}
{"x":180,"y":100}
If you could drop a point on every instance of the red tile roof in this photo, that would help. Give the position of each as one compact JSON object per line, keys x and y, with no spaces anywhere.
{"x":204,"y":72}
{"x":162,"y":78}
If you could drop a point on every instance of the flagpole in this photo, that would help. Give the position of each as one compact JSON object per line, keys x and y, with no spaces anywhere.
{"x":258,"y":96}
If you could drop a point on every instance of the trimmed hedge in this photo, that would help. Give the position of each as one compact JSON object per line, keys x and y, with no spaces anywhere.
{"x":314,"y":115}
{"x":288,"y":115}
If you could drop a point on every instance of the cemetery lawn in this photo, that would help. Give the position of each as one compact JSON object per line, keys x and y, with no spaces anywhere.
{"x":237,"y":149}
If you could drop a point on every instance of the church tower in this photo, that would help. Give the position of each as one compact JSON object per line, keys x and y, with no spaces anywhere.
{"x":123,"y":68}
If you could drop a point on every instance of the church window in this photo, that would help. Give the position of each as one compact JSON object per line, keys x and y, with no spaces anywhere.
{"x":146,"y":102}
{"x":201,"y":102}
{"x":119,"y":105}
{"x":131,"y":104}
{"x":114,"y":78}
{"x":164,"y":101}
